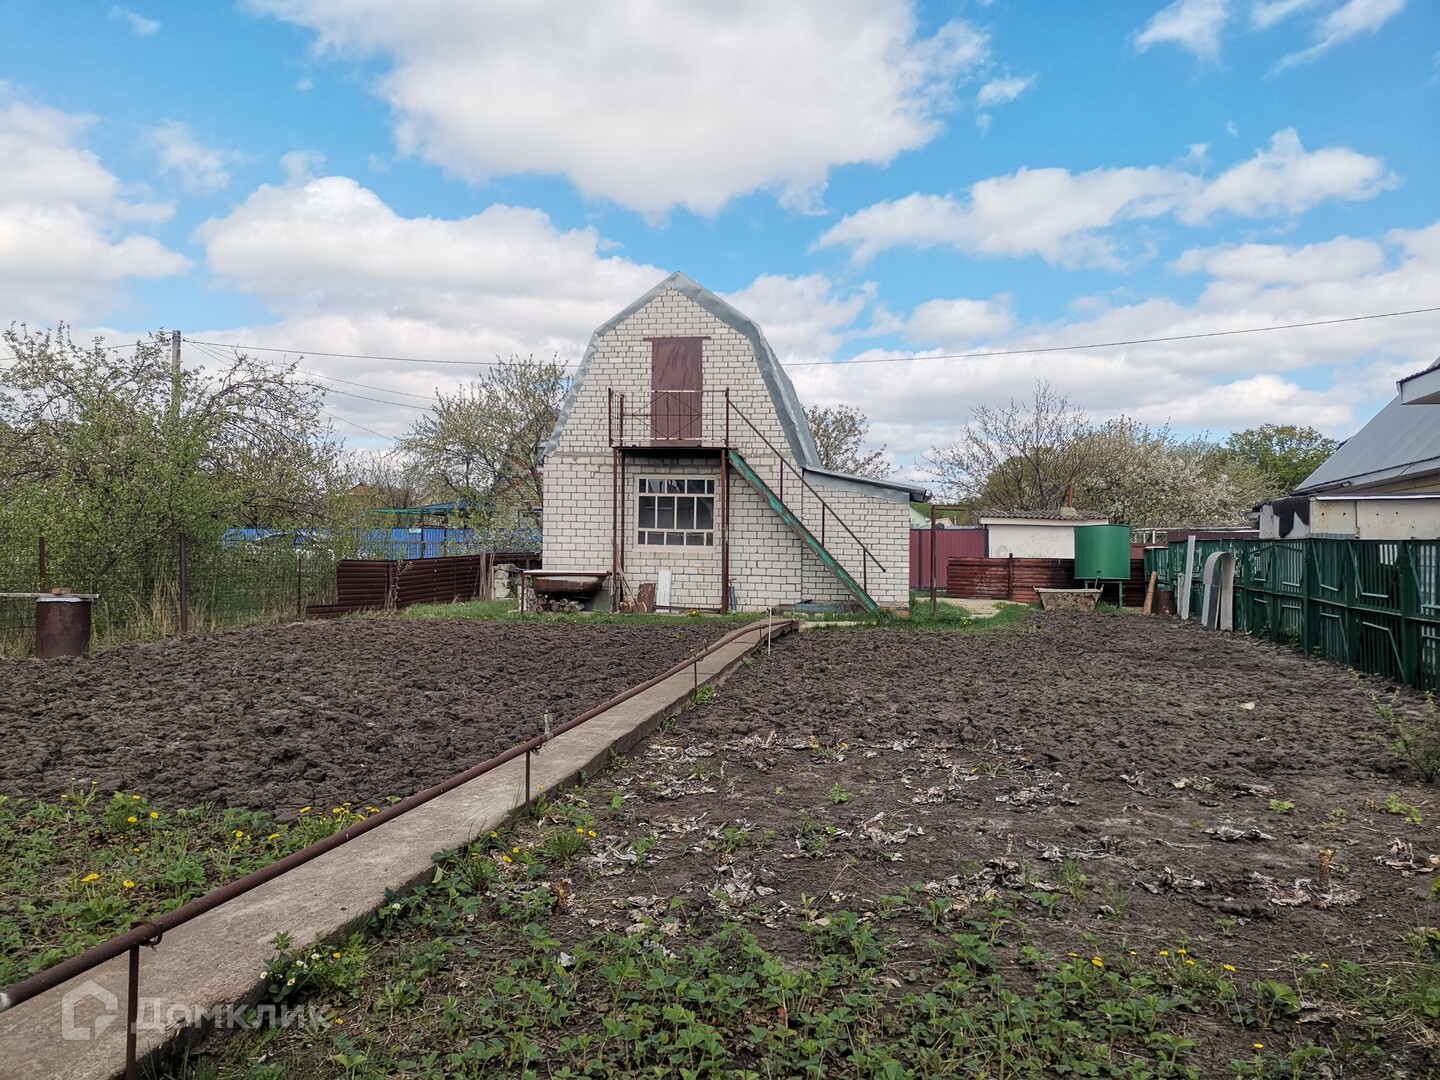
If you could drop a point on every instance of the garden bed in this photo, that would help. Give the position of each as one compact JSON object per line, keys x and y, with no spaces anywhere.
{"x":313,"y":714}
{"x":1092,"y":844}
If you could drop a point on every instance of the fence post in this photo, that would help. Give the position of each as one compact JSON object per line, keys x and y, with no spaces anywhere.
{"x":184,"y":586}
{"x":299,"y":599}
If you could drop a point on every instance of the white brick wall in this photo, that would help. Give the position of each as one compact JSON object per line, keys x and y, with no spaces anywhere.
{"x":769,"y":564}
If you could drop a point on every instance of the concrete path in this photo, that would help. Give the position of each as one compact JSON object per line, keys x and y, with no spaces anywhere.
{"x":218,"y":959}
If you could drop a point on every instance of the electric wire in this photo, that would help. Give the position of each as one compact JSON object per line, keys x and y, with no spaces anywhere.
{"x":899,"y":359}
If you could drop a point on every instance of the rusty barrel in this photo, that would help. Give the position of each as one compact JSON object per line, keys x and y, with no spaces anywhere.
{"x":62,"y":626}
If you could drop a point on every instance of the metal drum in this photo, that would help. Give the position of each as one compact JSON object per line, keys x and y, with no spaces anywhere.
{"x":62,"y":626}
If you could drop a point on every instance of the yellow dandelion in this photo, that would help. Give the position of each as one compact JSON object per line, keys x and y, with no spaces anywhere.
{"x":580,"y":830}
{"x":132,"y":819}
{"x":134,"y":798}
{"x":335,"y":956}
{"x":1180,"y":951}
{"x":1189,"y":961}
{"x":154,"y":815}
{"x":515,"y":850}
{"x":1228,"y":967}
{"x":1075,"y":954}
{"x":273,"y":836}
{"x":304,"y":809}
{"x":1259,"y":1046}
{"x":593,"y":833}
{"x":64,"y":796}
{"x":1097,"y":961}
{"x":1164,"y":952}
{"x":239,"y":833}
{"x":90,"y":877}
{"x":506,"y":858}
{"x":128,"y":883}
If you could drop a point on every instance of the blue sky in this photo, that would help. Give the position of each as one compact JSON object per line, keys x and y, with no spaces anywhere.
{"x":451,"y":180}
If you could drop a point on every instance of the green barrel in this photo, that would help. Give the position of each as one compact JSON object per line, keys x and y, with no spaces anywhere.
{"x":1102,"y":552}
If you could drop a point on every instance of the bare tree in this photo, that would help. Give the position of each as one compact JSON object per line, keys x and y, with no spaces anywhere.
{"x":1025,"y":456}
{"x":840,"y":437}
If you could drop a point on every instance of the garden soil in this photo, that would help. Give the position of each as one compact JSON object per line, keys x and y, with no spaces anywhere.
{"x":1145,"y":784}
{"x":316,"y":713}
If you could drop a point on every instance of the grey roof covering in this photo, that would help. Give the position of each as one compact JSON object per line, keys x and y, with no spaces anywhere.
{"x":782,"y":391}
{"x":1042,"y":515}
{"x":1401,"y":440}
{"x":894,"y":488}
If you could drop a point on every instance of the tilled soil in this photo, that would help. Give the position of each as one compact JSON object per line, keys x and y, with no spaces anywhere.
{"x":312,"y":713}
{"x":1169,"y":786}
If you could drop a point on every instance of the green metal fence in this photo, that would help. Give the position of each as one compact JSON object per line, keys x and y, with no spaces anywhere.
{"x":1373,"y":605}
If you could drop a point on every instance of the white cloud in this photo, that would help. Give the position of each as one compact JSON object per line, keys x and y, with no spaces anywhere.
{"x":1288,"y":179}
{"x":1266,"y":13}
{"x":1063,"y":216}
{"x":1350,"y":19}
{"x":1001,"y":91}
{"x":139,"y":25}
{"x":801,"y":317}
{"x":199,"y":167}
{"x":1193,"y":25}
{"x":958,"y":323}
{"x":1324,"y":375}
{"x":66,"y":238}
{"x":654,"y":106}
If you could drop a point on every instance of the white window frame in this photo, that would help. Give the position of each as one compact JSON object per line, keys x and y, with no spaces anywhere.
{"x":671,"y":512}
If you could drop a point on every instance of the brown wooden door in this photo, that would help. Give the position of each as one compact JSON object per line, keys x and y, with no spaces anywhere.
{"x":676,"y":386}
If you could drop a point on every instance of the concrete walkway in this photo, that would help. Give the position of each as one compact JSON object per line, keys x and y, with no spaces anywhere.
{"x":218,"y":959}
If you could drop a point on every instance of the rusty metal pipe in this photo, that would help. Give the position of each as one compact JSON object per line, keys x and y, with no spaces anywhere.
{"x":140,"y":935}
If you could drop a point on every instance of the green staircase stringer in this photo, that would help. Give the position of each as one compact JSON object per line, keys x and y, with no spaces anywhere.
{"x":788,"y":516}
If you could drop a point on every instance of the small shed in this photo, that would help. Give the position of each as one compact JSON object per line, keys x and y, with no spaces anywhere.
{"x":1036,"y":534}
{"x":682,"y":459}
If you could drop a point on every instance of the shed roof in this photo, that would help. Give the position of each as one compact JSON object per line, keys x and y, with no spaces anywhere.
{"x":1401,"y":440}
{"x":1059,"y":517}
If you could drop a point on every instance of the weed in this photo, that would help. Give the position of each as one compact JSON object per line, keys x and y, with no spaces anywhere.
{"x":704,"y":695}
{"x":1281,"y":806}
{"x":1394,"y":804}
{"x":1415,"y":739}
{"x":838,"y":794}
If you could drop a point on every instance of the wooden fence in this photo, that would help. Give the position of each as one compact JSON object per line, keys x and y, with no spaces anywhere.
{"x":965,"y":542}
{"x":373,"y":584}
{"x":1017,"y":579}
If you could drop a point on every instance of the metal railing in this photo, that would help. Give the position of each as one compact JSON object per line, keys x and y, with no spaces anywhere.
{"x":150,"y":933}
{"x":680,"y":418}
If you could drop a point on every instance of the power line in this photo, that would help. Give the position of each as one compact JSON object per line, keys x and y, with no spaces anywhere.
{"x":888,"y":359}
{"x":362,"y":427}
{"x":212,"y":351}
{"x":348,"y":356}
{"x":1115,"y":344}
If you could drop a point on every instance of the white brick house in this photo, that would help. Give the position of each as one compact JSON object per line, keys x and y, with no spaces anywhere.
{"x":682,"y":447}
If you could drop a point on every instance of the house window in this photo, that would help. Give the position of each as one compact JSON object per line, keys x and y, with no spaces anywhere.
{"x":676,"y":512}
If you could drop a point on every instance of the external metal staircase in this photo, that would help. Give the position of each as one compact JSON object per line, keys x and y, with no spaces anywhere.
{"x":789,"y":517}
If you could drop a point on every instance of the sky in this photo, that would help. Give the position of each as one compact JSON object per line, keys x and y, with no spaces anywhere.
{"x":926,"y":206}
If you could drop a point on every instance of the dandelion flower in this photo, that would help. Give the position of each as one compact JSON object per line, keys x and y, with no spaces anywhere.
{"x":1228,"y":967}
{"x":1164,"y":952}
{"x":304,"y":809}
{"x":90,"y":877}
{"x":335,"y":956}
{"x":128,"y":883}
{"x":273,"y":836}
{"x":1180,"y":951}
{"x":239,"y":832}
{"x":134,"y":798}
{"x":154,"y":815}
{"x":1189,"y":961}
{"x":593,"y":833}
{"x":1076,"y":954}
{"x":1097,"y":961}
{"x":1259,"y":1046}
{"x":580,"y":830}
{"x":132,"y":819}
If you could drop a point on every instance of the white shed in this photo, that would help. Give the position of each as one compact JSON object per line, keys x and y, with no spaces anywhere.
{"x":1036,"y":534}
{"x":682,"y":455}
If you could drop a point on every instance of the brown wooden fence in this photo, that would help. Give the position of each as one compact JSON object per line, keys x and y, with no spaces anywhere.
{"x":1017,"y":579}
{"x":949,"y":544}
{"x":371,"y":584}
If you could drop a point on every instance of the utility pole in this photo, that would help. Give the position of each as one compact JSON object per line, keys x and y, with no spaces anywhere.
{"x":174,"y":374}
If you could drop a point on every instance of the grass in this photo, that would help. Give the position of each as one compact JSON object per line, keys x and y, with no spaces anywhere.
{"x":485,"y":971}
{"x":79,"y":869}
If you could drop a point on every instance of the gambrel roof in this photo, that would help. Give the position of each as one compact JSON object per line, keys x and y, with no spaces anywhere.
{"x":782,"y":391}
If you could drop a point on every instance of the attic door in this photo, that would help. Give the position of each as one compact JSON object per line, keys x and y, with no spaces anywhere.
{"x":676,"y":390}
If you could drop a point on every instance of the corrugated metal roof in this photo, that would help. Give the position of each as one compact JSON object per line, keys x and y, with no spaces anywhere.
{"x":1042,"y":515}
{"x":1400,"y":440}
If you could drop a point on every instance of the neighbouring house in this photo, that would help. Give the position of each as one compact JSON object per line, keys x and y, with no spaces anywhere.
{"x":1383,"y":483}
{"x":1036,"y":534}
{"x":682,"y":459}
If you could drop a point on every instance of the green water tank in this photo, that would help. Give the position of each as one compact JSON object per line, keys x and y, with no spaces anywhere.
{"x":1102,"y":552}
